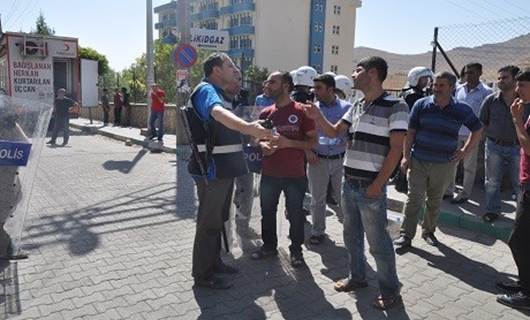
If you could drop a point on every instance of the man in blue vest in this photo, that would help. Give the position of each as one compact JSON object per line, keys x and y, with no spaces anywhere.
{"x":216,"y":133}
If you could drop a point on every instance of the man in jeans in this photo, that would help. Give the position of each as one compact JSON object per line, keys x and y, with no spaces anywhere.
{"x":502,"y":146}
{"x":431,"y":154}
{"x":473,"y":92}
{"x":325,"y":160}
{"x":519,"y":292}
{"x":62,"y":118}
{"x":157,"y":112}
{"x":378,"y":124}
{"x":283,"y":167}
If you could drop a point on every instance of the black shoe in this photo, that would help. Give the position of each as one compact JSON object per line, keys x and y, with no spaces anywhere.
{"x":297,"y":259}
{"x":348,"y":285}
{"x":64,"y":144}
{"x":489,"y":217}
{"x":20,"y":255}
{"x":403,"y":242}
{"x":509,"y":286}
{"x":263,"y":253}
{"x":52,"y":142}
{"x":314,"y":239}
{"x":331,"y":201}
{"x":518,"y":300}
{"x":213,"y":282}
{"x":306,"y":211}
{"x":430,"y":238}
{"x":225,"y":268}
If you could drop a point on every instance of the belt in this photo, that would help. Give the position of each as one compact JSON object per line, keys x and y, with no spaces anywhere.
{"x":231,"y":148}
{"x":503,"y":142}
{"x":358,"y":182}
{"x":335,"y":156}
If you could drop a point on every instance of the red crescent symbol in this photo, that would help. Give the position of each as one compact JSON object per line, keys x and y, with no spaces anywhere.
{"x":66,"y":47}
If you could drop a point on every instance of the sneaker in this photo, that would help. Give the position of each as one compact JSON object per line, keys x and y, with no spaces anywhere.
{"x":316,"y":240}
{"x":297,"y":259}
{"x":52,"y":142}
{"x":430,"y":238}
{"x":459,"y":199}
{"x":447,"y":197}
{"x":518,"y":300}
{"x":212,"y":282}
{"x":403,"y":242}
{"x":509,"y":286}
{"x":489,"y":217}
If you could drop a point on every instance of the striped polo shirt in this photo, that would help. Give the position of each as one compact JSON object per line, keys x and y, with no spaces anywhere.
{"x":437,"y":129}
{"x":371,"y":126}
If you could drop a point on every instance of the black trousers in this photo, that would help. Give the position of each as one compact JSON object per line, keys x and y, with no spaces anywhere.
{"x":520,"y":239}
{"x":105,"y":115}
{"x":214,"y":209}
{"x":117,"y":116}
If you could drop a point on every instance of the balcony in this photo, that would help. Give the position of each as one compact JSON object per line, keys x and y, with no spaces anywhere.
{"x":239,"y":7}
{"x":238,"y":53}
{"x":169,"y":23}
{"x":243,"y":29}
{"x":172,"y":6}
{"x":205,"y":14}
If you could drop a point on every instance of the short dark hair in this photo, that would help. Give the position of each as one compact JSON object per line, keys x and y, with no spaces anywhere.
{"x":451,"y":78}
{"x":377,"y":63}
{"x":326,"y":79}
{"x":523,"y":75}
{"x":513,"y":70}
{"x":287,"y":78}
{"x":216,"y":59}
{"x":474,"y":65}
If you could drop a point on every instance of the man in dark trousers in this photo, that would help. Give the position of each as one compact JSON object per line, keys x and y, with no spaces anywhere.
{"x":518,"y":295}
{"x":118,"y":104}
{"x":62,"y":118}
{"x":216,"y":137}
{"x":105,"y":105}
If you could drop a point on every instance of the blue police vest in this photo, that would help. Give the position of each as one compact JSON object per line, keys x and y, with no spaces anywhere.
{"x":220,"y":148}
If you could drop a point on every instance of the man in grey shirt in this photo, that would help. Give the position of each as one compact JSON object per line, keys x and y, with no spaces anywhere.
{"x":502,"y":147}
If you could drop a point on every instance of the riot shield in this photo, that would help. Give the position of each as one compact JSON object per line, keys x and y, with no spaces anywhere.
{"x":23,"y":126}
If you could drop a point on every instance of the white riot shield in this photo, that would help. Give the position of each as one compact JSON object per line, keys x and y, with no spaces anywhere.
{"x":23,"y":126}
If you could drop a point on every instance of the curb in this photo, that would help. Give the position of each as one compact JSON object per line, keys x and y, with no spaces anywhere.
{"x":463,"y":221}
{"x":144,"y":143}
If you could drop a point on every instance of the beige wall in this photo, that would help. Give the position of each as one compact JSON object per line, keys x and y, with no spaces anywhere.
{"x":345,"y":40}
{"x":282,"y":38}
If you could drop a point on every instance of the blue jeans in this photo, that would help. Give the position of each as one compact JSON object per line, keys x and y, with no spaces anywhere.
{"x":294,"y":190}
{"x":157,"y":115}
{"x":498,"y":160}
{"x":368,"y":215}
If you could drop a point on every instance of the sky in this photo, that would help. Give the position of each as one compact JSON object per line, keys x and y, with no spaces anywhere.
{"x":116,"y":28}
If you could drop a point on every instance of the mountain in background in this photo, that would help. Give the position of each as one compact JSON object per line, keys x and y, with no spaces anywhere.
{"x":492,"y":56}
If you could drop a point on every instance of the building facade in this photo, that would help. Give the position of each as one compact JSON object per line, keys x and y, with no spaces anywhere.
{"x":278,"y":34}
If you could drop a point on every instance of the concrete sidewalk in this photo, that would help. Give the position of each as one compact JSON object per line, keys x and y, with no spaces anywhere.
{"x":467,"y":216}
{"x":123,"y":133}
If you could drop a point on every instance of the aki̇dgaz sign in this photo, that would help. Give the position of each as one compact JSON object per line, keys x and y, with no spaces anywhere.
{"x":210,"y":39}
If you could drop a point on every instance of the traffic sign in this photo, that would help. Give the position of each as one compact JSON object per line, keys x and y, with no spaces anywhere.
{"x":185,"y":55}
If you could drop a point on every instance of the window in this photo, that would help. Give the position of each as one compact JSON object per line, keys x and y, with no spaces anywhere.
{"x":318,"y":27}
{"x":334,"y":69}
{"x":317,"y":67}
{"x":336,"y":10}
{"x":334,"y":49}
{"x":319,"y":7}
{"x":317,"y":48}
{"x":336,"y":30}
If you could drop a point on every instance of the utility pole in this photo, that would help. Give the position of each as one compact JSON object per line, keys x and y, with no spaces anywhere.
{"x":149,"y":55}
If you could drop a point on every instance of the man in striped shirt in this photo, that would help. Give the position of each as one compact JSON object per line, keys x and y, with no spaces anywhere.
{"x":378,"y":123}
{"x":431,"y":154}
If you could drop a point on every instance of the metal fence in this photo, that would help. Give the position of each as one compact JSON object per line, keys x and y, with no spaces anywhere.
{"x":494,"y":44}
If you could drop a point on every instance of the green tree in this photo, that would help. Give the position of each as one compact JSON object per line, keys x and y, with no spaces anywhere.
{"x":92,"y":54}
{"x":41,"y":27}
{"x":254,"y":77}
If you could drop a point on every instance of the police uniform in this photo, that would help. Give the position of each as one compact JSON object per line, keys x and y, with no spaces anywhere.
{"x":222,"y":160}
